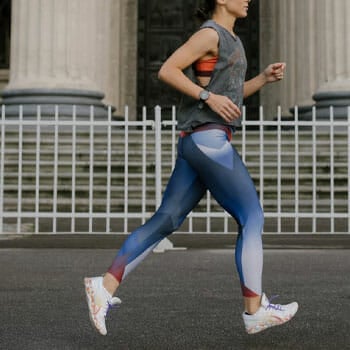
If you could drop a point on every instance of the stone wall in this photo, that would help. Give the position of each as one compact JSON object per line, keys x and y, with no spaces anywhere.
{"x":91,"y":45}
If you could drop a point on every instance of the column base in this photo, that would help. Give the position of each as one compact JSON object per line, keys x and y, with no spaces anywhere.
{"x":48,"y":99}
{"x":340,"y":100}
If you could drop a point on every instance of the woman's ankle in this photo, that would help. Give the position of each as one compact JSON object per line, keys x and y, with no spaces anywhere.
{"x":252,"y":305}
{"x":110,"y":283}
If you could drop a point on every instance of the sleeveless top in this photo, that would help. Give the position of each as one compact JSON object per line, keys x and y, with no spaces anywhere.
{"x":227,"y":79}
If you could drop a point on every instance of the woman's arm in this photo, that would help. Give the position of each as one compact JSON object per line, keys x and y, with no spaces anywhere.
{"x":202,"y":44}
{"x":274,"y":72}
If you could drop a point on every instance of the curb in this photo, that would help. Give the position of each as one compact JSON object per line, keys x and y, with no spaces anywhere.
{"x":179,"y":240}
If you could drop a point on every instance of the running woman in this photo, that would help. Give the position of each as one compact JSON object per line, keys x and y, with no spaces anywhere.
{"x":209,"y":69}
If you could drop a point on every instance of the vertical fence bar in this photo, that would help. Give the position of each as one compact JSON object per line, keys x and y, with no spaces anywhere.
{"x":190,"y":224}
{"x":261,"y":156}
{"x":73,"y":169}
{"x":144,"y":167}
{"x":2,"y":168}
{"x":158,"y":153}
{"x":332,"y":166}
{"x":91,"y":169}
{"x":296,"y":161}
{"x":244,"y":131}
{"x":173,"y":137}
{"x":279,"y":168}
{"x":37,"y":169}
{"x":226,"y":217}
{"x":109,"y":170}
{"x":208,"y":216}
{"x":55,"y":172}
{"x":314,"y":171}
{"x":19,"y":181}
{"x":126,"y":168}
{"x":349,"y":169}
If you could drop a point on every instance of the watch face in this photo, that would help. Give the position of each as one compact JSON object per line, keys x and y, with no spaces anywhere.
{"x":204,"y":94}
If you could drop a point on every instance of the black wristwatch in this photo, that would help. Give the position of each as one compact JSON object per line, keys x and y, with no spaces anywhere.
{"x":203,"y":96}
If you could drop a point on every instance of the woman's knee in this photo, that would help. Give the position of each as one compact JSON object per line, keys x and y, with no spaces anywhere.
{"x":167,"y":222}
{"x":254,"y":221}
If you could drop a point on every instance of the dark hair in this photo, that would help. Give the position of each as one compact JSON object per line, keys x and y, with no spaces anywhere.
{"x":205,"y":11}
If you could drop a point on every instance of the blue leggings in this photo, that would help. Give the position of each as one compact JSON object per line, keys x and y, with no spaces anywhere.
{"x":206,"y":160}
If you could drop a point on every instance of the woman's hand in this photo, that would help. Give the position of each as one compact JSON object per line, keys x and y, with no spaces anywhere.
{"x":274,"y":72}
{"x":224,"y":107}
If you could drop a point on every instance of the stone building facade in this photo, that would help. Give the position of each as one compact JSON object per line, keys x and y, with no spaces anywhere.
{"x":86,"y":52}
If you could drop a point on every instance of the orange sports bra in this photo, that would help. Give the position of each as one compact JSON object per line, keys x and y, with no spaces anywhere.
{"x":204,"y":68}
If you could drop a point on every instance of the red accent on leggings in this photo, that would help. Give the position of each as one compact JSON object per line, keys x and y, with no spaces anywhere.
{"x":247,"y":293}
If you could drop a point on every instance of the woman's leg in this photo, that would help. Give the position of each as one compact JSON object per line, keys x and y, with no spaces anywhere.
{"x":183,"y":192}
{"x":229,"y":182}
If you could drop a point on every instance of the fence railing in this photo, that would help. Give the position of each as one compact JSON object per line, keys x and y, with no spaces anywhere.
{"x":67,"y":174}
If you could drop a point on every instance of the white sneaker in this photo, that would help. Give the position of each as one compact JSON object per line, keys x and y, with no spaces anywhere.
{"x":269,"y":315}
{"x":99,"y":302}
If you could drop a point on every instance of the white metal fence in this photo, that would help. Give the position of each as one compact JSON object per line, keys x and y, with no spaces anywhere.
{"x":66,"y":174}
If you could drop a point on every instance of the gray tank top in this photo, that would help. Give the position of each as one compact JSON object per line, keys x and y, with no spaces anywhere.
{"x":227,"y":79}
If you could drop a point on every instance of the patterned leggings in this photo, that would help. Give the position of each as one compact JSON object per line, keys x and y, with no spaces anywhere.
{"x":206,"y":160}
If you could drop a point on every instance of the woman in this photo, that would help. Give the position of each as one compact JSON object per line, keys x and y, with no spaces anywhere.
{"x":209,"y":69}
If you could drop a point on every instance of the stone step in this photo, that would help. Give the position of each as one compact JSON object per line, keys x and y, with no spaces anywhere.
{"x":252,"y":159}
{"x":134,"y":205}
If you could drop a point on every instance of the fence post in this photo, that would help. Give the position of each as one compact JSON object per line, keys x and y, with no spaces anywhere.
{"x":165,"y":244}
{"x":2,"y":160}
{"x":126,"y":169}
{"x":158,"y":154}
{"x":348,"y":168}
{"x":20,"y":169}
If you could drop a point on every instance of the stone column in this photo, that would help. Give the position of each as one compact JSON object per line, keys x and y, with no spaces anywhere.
{"x":313,"y":38}
{"x":288,"y":33}
{"x":121,"y":81}
{"x":333,"y":30}
{"x":66,"y":52}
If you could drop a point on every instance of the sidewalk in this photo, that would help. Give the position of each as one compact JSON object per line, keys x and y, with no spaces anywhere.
{"x":179,"y":300}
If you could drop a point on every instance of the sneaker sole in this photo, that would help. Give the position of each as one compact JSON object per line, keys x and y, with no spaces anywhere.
{"x":90,"y":302}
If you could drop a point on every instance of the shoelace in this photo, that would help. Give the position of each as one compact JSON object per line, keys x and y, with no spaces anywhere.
{"x":277,"y":307}
{"x":110,"y":305}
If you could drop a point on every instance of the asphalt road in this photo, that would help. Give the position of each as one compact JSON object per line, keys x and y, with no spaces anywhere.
{"x":176,"y":300}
